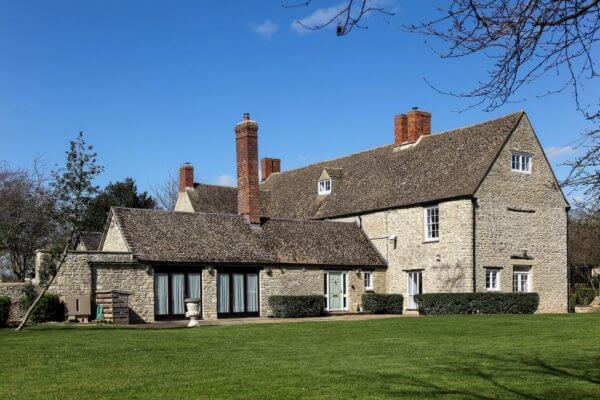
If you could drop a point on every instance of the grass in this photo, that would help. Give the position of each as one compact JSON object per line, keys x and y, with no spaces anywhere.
{"x":450,"y":357}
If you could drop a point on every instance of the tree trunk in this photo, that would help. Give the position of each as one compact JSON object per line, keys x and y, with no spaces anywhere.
{"x":63,"y":257}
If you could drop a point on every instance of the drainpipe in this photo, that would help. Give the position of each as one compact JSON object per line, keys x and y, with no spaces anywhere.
{"x":473,"y":236}
{"x":567,"y":209}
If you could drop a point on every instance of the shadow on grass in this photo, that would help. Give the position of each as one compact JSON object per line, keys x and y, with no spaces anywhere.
{"x":498,"y":377}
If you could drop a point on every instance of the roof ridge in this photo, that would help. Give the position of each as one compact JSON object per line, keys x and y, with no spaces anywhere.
{"x":487,"y":121}
{"x":393,"y":145}
{"x":173,"y":212}
{"x":210,"y":184}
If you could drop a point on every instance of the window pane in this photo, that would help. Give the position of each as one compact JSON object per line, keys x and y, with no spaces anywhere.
{"x":161,"y":294}
{"x":194,"y":285}
{"x":223,"y":289}
{"x":252,"y":292}
{"x":238,"y":292}
{"x":178,"y":293}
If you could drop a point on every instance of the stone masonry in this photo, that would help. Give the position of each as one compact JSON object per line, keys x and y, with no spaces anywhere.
{"x":446,"y":264}
{"x":14,"y":290}
{"x":515,"y":212}
{"x":520,"y":212}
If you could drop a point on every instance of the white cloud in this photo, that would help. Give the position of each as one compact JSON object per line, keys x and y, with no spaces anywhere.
{"x":226,"y":180}
{"x":560,"y":151}
{"x":319,"y":17}
{"x":266,"y":29}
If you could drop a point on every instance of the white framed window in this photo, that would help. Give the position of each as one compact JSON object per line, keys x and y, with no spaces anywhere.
{"x":368,"y":280}
{"x":521,"y":162}
{"x":521,"y":278}
{"x":432,"y":224}
{"x":324,"y":186}
{"x":492,"y":279}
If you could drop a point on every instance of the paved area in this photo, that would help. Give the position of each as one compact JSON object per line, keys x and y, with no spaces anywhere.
{"x":264,"y":320}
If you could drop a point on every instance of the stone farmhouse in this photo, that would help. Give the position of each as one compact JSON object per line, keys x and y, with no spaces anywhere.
{"x":473,"y":209}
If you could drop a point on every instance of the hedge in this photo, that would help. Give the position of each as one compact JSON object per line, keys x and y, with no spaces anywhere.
{"x":382,"y":303}
{"x":477,"y":303}
{"x":4,"y":310}
{"x":583,"y":296}
{"x":296,"y":306}
{"x":49,"y":308}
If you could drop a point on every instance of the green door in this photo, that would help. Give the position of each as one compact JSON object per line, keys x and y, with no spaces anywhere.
{"x":336,"y":291}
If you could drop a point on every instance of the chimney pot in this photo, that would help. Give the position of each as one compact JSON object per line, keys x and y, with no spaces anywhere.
{"x":246,"y":117}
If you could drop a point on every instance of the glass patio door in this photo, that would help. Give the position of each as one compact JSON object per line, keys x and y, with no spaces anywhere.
{"x":237,"y":294}
{"x":414,"y":287}
{"x":170,"y":291}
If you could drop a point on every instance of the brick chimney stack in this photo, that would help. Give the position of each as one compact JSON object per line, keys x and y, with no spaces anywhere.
{"x":411,"y":126}
{"x":269,"y":166}
{"x":186,"y":177}
{"x":400,"y":129}
{"x":246,"y":140}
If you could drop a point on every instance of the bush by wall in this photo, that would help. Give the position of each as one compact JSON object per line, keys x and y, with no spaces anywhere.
{"x":382,"y":303}
{"x":477,"y":303}
{"x":296,"y":306}
{"x":583,"y":296}
{"x":4,"y":310}
{"x":49,"y":308}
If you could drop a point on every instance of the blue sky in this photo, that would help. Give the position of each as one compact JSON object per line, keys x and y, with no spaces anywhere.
{"x":154,"y":84}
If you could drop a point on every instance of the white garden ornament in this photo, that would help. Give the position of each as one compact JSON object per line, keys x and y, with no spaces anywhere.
{"x":193,"y":311}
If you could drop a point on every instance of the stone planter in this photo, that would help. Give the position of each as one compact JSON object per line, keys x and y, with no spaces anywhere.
{"x":193,"y":311}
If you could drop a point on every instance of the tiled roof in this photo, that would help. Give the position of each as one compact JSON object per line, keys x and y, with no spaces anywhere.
{"x":440,"y":166}
{"x":163,"y":236}
{"x":90,"y":240}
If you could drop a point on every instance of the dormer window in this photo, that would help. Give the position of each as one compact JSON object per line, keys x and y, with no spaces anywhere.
{"x":521,"y":162}
{"x":324,"y":186}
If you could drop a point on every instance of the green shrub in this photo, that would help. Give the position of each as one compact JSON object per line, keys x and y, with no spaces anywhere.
{"x":583,"y":296}
{"x":49,"y":308}
{"x":382,"y":303}
{"x":296,"y":306}
{"x":477,"y":303}
{"x":5,"y":304}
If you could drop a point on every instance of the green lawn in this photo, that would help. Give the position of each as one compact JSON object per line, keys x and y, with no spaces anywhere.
{"x":472,"y":357}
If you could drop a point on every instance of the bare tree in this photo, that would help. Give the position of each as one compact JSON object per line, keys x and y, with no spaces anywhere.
{"x":166,"y":192}
{"x":349,"y":15}
{"x":525,"y":40}
{"x":26,"y":219}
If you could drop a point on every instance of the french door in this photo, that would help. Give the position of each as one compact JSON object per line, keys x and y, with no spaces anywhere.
{"x":170,"y":291}
{"x":415,"y":286}
{"x":237,"y":294}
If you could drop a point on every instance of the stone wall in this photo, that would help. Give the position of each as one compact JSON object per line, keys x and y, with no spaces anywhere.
{"x":446,"y":263}
{"x":133,"y":279}
{"x":289,"y":282}
{"x":114,"y":240}
{"x":517,"y":212}
{"x":74,"y":277}
{"x":297,"y":281}
{"x":14,"y":290}
{"x":85,"y":272}
{"x":209,"y":294}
